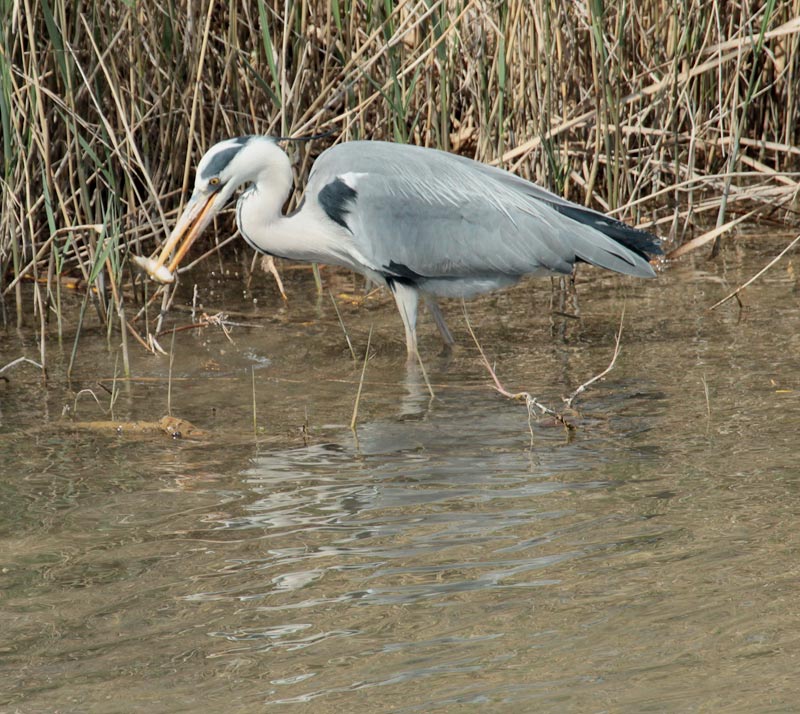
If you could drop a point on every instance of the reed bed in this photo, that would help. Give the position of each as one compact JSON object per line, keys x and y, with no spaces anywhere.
{"x":682,"y":116}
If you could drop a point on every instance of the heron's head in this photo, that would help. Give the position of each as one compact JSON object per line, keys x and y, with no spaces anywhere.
{"x":224,"y":167}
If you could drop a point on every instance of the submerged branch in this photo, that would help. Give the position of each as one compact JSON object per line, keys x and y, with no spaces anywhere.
{"x":602,"y":374}
{"x":533,"y":405}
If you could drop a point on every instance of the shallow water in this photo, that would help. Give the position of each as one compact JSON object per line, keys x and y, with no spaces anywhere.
{"x":448,"y":559}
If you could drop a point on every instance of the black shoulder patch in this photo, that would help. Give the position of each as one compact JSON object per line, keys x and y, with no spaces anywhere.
{"x":336,"y":198}
{"x":219,"y":162}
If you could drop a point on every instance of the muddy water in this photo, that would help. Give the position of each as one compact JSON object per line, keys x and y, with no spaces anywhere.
{"x":446,"y":560}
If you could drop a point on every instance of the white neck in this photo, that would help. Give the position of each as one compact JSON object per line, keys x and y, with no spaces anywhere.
{"x":300,"y":236}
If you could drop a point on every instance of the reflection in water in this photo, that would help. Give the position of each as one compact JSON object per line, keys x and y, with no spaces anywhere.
{"x":417,"y":398}
{"x":410,"y":490}
{"x":440,"y":562}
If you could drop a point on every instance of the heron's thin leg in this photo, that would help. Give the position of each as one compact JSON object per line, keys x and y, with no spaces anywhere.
{"x":407,"y":299}
{"x":438,"y":318}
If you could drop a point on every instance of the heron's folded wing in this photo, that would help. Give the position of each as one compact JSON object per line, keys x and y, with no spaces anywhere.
{"x":436,"y":215}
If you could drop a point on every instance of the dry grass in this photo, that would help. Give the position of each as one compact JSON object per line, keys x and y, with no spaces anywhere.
{"x":678,"y":115}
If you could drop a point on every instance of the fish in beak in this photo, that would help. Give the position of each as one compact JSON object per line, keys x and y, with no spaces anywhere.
{"x":199,"y":212}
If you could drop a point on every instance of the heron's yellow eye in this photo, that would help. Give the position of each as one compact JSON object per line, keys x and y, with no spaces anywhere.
{"x":214,"y":181}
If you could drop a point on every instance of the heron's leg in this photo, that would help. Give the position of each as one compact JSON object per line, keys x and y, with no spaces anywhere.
{"x":438,"y":318}
{"x":407,"y":298}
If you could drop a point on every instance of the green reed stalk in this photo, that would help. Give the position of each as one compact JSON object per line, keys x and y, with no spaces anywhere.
{"x":107,"y":106}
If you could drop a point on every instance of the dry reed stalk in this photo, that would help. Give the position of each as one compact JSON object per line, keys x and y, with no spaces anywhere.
{"x":344,"y":329}
{"x":707,"y":396}
{"x":253,"y":383}
{"x":659,"y":111}
{"x":354,"y":418}
{"x":763,"y":270}
{"x":169,"y":379}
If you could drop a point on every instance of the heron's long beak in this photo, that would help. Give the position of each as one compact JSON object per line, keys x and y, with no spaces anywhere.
{"x":199,"y":212}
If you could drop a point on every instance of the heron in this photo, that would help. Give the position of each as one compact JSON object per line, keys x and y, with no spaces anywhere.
{"x":422,"y":222}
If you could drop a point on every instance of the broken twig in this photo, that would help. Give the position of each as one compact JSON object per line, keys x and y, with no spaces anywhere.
{"x":17,"y":361}
{"x":532,"y":404}
{"x":602,"y":374}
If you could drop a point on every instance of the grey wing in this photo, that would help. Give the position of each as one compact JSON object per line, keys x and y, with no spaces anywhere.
{"x":424,"y":214}
{"x":639,"y":241}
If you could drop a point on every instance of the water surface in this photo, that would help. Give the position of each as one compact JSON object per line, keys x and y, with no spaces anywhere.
{"x":447,"y":559}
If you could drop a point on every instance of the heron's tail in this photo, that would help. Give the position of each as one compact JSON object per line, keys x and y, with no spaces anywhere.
{"x":619,"y":247}
{"x":640,"y":242}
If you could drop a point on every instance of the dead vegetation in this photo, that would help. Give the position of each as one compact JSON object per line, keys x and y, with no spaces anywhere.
{"x":680,"y":116}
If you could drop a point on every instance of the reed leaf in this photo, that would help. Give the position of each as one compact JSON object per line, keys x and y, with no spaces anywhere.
{"x":670,"y":112}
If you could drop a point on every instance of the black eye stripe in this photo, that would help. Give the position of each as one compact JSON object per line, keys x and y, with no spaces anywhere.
{"x":219,"y":161}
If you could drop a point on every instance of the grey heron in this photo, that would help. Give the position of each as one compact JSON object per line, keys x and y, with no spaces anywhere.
{"x":422,"y":222}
